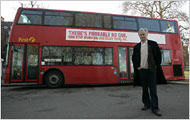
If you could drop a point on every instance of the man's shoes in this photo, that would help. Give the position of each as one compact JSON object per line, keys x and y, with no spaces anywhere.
{"x":145,"y":108}
{"x":157,"y":113}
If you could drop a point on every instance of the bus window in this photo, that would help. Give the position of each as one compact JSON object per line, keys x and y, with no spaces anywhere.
{"x":127,"y":23}
{"x":58,"y":18}
{"x":151,"y":24}
{"x":107,"y":21}
{"x":88,"y":20}
{"x":131,"y":62}
{"x":7,"y":56}
{"x":24,"y":19}
{"x":122,"y":63}
{"x":88,"y":56}
{"x":108,"y":56}
{"x":166,"y":57}
{"x":168,"y":26}
{"x":17,"y":62}
{"x":97,"y":57}
{"x":54,"y":55}
{"x":32,"y":69}
{"x":67,"y":56}
{"x":30,"y":17}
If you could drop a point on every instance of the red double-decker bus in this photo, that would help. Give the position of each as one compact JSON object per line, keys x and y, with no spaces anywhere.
{"x":59,"y":47}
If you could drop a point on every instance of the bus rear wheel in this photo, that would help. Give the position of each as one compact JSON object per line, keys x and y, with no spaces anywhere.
{"x":54,"y":79}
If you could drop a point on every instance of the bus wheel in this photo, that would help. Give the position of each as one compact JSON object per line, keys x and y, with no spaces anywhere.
{"x":54,"y":79}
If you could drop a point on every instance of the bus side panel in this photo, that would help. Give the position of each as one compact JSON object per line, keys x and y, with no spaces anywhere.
{"x":168,"y":72}
{"x":87,"y":74}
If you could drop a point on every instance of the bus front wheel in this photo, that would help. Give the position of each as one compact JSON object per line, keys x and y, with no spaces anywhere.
{"x":54,"y":79}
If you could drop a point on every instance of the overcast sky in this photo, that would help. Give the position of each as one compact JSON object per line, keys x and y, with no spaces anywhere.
{"x":9,"y":8}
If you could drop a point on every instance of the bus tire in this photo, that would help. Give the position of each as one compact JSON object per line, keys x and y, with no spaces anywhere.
{"x":54,"y":79}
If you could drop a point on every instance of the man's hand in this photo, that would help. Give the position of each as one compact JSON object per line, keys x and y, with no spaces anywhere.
{"x":139,"y":68}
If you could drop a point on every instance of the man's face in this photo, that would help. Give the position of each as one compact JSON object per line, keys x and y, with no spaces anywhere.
{"x":143,"y":36}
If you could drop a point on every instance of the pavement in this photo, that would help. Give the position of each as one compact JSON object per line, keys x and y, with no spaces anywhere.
{"x":186,"y":81}
{"x":92,"y":102}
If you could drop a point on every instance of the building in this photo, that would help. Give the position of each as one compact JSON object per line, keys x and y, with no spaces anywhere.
{"x":2,"y":19}
{"x":5,"y":31}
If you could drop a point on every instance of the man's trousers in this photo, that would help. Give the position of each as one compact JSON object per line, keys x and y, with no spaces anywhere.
{"x":149,"y":94}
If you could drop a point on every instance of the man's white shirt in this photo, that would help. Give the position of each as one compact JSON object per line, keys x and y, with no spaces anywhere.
{"x":144,"y":55}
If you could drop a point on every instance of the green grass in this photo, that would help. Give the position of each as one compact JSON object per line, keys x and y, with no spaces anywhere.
{"x":186,"y":72}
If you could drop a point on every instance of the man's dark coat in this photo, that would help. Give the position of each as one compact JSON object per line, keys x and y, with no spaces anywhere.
{"x":154,"y":61}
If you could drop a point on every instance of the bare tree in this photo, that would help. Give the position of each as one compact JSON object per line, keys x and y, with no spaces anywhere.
{"x":155,"y":9}
{"x":163,"y":10}
{"x":32,"y":4}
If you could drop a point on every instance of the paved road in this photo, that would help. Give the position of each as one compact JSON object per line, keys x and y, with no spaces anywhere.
{"x":86,"y":102}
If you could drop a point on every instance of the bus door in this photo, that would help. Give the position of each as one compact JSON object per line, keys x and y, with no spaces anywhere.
{"x":131,"y":64}
{"x":24,"y":63}
{"x":124,"y":64}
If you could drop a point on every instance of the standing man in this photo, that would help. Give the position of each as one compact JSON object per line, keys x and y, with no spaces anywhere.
{"x":148,"y":72}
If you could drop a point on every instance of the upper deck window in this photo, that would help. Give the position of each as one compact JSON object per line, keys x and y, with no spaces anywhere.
{"x":58,"y":18}
{"x":88,"y":20}
{"x":127,"y":23}
{"x":152,"y":24}
{"x":30,"y":17}
{"x":168,"y":26}
{"x":107,"y":21}
{"x":92,"y":20}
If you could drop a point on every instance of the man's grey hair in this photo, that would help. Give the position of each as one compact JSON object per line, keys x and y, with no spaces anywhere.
{"x":143,"y":29}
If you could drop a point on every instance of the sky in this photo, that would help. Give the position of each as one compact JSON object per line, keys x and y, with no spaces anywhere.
{"x":9,"y":8}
